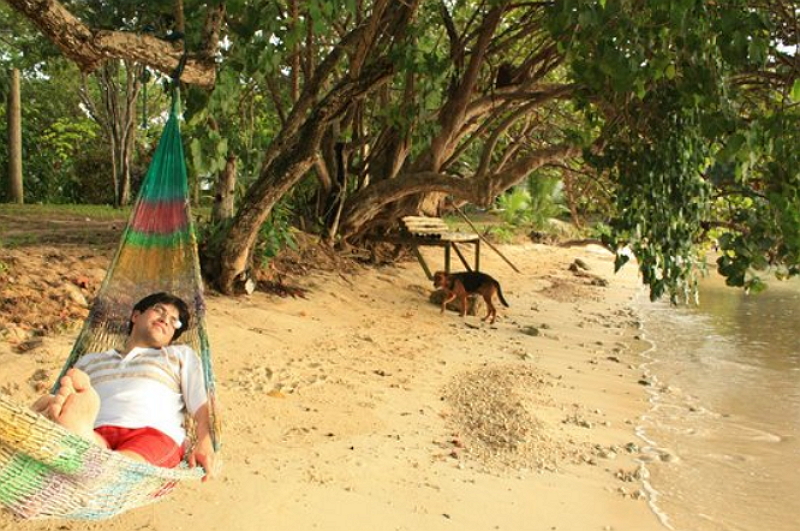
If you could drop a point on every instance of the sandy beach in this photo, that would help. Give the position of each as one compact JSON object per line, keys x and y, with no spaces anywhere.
{"x":361,"y":407}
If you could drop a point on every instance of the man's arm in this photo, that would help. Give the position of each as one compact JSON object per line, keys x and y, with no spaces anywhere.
{"x":203,"y":452}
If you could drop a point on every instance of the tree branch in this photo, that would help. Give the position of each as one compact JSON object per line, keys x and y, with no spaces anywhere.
{"x":89,"y":48}
{"x":368,"y":202}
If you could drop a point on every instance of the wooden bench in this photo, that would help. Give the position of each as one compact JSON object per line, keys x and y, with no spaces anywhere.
{"x":419,"y":231}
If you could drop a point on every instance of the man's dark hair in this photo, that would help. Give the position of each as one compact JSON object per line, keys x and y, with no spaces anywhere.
{"x":164,"y":298}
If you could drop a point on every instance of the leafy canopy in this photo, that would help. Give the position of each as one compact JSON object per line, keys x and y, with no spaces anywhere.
{"x":688,"y":141}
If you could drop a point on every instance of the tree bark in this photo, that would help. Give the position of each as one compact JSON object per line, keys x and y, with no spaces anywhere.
{"x":89,"y":47}
{"x":16,"y":193}
{"x":180,"y":17}
{"x":337,"y":205}
{"x":224,"y":197}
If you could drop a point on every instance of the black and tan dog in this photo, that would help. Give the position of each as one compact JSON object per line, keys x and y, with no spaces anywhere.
{"x":462,"y":284}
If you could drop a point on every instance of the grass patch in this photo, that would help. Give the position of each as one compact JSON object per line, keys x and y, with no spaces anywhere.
{"x":97,"y":212}
{"x":38,"y":224}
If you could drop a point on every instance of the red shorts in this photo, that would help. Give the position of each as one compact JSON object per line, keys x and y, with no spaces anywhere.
{"x":154,"y":446}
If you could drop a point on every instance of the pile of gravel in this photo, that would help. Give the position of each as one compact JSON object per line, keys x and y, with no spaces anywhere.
{"x":492,"y":413}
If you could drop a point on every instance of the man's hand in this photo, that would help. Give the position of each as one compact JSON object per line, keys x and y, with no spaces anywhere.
{"x":203,"y":452}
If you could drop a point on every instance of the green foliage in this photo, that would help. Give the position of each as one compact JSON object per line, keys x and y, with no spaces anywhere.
{"x":234,"y":118}
{"x":65,"y":137}
{"x":57,"y":136}
{"x":514,"y":207}
{"x":622,"y":48}
{"x":22,"y":46}
{"x":68,"y":145}
{"x":533,"y":205}
{"x":662,"y":198}
{"x":210,"y":237}
{"x":761,"y":202}
{"x":502,"y":233}
{"x":600,"y":230}
{"x":276,"y":233}
{"x":154,"y":17}
{"x":656,"y":78}
{"x":90,"y":178}
{"x":546,"y":199}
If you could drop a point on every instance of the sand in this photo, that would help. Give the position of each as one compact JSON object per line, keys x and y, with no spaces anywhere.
{"x":361,"y":407}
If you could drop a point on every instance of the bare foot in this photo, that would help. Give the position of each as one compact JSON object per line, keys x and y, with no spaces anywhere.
{"x":76,"y":404}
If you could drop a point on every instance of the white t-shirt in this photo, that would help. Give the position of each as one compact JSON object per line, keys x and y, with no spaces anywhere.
{"x":148,"y":387}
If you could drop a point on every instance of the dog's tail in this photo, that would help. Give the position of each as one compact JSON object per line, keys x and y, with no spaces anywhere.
{"x":500,"y":294}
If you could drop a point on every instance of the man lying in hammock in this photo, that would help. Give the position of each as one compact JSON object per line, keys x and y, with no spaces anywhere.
{"x":133,"y":401}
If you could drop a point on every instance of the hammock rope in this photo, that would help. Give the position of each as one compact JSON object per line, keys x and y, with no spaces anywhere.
{"x":46,"y":471}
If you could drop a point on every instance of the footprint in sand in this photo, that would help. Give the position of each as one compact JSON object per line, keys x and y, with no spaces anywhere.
{"x":263,"y":379}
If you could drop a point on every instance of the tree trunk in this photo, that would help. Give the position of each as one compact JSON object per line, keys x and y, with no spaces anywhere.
{"x":294,"y":71}
{"x":324,"y":170}
{"x":126,"y":156}
{"x":114,"y":173}
{"x":414,"y":197}
{"x":180,"y":17}
{"x":117,"y":119}
{"x":133,"y":78}
{"x":233,"y":258}
{"x":284,"y":167}
{"x":223,"y":207}
{"x":16,"y":194}
{"x":335,"y":211}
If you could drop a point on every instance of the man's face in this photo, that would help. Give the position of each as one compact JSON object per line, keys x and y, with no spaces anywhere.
{"x":156,"y":326}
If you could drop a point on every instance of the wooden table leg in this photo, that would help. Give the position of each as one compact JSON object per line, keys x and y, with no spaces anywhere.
{"x":422,"y":262}
{"x":461,"y":256}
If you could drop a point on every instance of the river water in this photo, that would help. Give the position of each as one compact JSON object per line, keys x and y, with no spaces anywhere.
{"x":723,"y":433}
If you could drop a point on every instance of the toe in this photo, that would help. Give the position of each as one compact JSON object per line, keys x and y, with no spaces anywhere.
{"x":56,"y":405}
{"x":80,"y":380}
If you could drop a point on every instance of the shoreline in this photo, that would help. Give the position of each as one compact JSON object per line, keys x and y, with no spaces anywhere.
{"x":361,"y":407}
{"x":651,"y":451}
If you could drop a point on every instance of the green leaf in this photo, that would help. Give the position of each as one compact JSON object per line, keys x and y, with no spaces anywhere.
{"x":196,"y":151}
{"x":222,"y":148}
{"x":796,"y":90}
{"x":732,"y":147}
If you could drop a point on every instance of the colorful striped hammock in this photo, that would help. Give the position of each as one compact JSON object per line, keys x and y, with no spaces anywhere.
{"x":46,"y":471}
